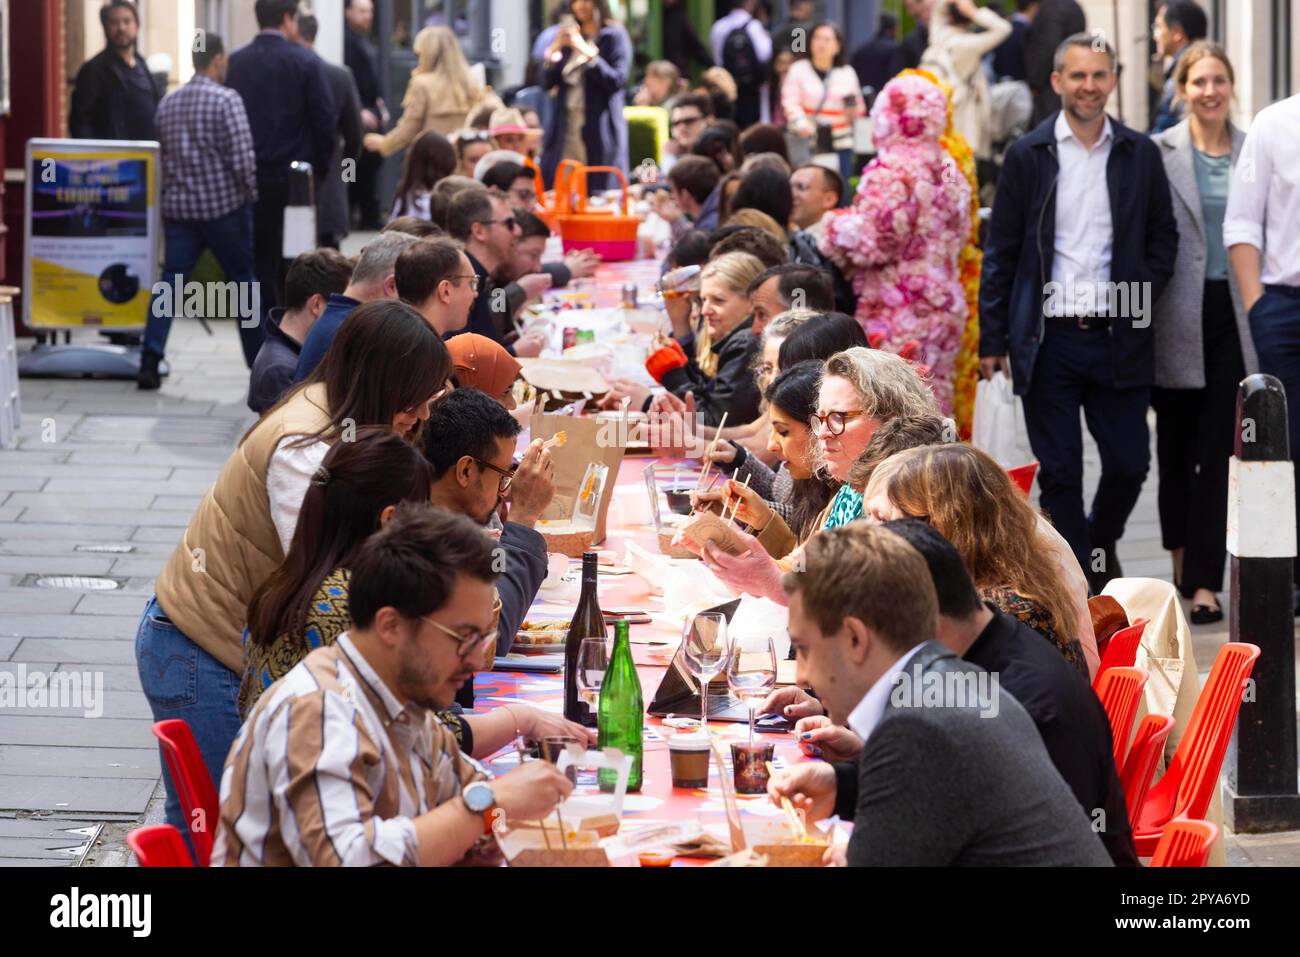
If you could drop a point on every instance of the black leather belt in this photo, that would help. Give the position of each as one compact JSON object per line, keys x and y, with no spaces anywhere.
{"x":1086,"y":323}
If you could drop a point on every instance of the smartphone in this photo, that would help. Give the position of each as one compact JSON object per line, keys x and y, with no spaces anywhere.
{"x":773,"y":723}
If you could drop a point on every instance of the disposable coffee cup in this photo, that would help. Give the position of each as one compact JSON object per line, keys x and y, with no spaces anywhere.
{"x":689,"y":754}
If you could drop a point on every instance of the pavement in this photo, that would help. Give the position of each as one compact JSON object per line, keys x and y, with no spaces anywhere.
{"x":94,"y":498}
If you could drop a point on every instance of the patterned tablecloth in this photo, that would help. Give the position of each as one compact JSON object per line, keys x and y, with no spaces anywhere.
{"x":658,"y":801}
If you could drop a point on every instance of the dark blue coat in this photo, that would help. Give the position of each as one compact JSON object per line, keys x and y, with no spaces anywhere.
{"x":1018,"y":251}
{"x":604,"y":130}
{"x":290,"y":107}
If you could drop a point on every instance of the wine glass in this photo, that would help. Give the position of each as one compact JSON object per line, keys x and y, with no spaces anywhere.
{"x":704,"y":648}
{"x":751,"y":672}
{"x":593,"y":662}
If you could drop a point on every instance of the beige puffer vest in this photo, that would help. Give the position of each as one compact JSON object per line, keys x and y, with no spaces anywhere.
{"x":231,"y":546}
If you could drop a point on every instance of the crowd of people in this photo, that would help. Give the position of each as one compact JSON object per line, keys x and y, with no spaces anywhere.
{"x":826,"y":322}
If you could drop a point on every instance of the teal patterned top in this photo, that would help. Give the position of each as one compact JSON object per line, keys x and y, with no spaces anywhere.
{"x":845,"y":507}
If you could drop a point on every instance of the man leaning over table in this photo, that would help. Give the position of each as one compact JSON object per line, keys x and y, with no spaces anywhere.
{"x":342,"y":761}
{"x":962,"y":782}
{"x":469,"y":440}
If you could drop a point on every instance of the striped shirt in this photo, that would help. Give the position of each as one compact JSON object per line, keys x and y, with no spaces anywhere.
{"x":330,"y":769}
{"x":209,"y":168}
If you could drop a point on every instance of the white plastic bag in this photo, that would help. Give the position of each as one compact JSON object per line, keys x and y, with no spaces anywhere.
{"x":993,"y":426}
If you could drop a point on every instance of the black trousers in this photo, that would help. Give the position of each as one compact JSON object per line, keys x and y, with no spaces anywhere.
{"x":1195,"y":430}
{"x":363,"y":193}
{"x":268,"y":243}
{"x":1073,"y":373}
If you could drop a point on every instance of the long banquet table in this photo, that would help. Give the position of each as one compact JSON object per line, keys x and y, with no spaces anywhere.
{"x":658,"y":801}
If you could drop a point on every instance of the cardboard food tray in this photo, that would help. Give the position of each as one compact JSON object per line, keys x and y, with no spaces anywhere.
{"x":564,"y":379}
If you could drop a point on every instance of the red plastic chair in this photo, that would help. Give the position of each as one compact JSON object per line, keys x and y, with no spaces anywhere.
{"x":1148,"y":743}
{"x":1023,"y":476}
{"x":1188,"y":784}
{"x":159,"y":845}
{"x":1120,"y":689}
{"x":193,"y":784}
{"x":1121,"y":651}
{"x":1185,"y":844}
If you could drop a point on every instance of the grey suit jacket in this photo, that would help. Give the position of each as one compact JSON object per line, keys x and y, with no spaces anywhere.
{"x":1180,"y":359}
{"x":332,"y":203}
{"x":948,"y":785}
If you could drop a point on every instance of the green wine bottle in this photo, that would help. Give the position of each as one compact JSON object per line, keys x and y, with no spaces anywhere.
{"x":622,"y":710}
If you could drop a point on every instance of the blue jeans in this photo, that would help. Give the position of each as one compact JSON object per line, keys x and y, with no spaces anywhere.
{"x":1074,"y":371}
{"x":231,"y":240}
{"x":181,"y":680}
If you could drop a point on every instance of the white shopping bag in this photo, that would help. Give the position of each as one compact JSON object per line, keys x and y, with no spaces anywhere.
{"x":993,"y":426}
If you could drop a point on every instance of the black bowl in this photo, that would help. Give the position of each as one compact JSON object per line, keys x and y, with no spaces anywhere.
{"x":679,"y":501}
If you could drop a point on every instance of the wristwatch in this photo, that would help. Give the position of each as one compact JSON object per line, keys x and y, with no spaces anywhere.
{"x":479,"y":799}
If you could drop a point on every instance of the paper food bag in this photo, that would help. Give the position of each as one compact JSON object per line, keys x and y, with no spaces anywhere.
{"x":574,"y":521}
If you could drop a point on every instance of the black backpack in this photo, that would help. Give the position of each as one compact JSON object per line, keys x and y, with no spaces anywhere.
{"x":740,"y":59}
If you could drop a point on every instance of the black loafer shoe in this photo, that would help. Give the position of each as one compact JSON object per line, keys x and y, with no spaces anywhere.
{"x":1206,"y":614}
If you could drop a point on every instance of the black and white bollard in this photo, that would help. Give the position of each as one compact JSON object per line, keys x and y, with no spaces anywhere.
{"x":1261,"y":790}
{"x":300,"y":214}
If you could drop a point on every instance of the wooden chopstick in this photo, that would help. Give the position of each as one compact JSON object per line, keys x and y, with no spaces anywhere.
{"x":519,"y":749}
{"x":736,"y":508}
{"x":713,"y":445}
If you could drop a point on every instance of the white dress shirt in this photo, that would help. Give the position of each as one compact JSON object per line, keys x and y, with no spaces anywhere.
{"x":864,"y":718}
{"x":1085,"y":236}
{"x":1264,"y":199}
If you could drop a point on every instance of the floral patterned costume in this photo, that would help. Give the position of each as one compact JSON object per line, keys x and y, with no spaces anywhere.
{"x":900,"y":242}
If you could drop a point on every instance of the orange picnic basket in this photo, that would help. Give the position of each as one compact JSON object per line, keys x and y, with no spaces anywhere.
{"x":612,"y":233}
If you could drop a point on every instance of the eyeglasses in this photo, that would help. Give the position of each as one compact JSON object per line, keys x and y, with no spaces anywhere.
{"x":834,"y":422}
{"x":686,"y":120}
{"x":466,"y":645}
{"x":474,"y":136}
{"x":506,"y":476}
{"x":474,"y":281}
{"x":508,"y":222}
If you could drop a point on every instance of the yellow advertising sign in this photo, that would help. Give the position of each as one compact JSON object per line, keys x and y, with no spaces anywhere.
{"x":92,"y":233}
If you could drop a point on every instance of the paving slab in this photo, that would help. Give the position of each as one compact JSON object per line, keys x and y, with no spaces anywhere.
{"x":114,"y":517}
{"x":67,"y":564}
{"x":70,"y":627}
{"x":78,"y":652}
{"x":82,"y":732}
{"x":99,"y":603}
{"x":116,"y":677}
{"x":74,"y":795}
{"x":77,"y":532}
{"x":36,"y":601}
{"x":97,"y":762}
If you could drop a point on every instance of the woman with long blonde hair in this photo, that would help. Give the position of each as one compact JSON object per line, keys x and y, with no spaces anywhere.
{"x":719,"y":374}
{"x":1014,"y":563}
{"x":442,"y":92}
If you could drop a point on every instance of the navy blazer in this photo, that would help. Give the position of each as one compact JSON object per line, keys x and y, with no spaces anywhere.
{"x":290,"y":107}
{"x":1018,"y":251}
{"x":604,"y":128}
